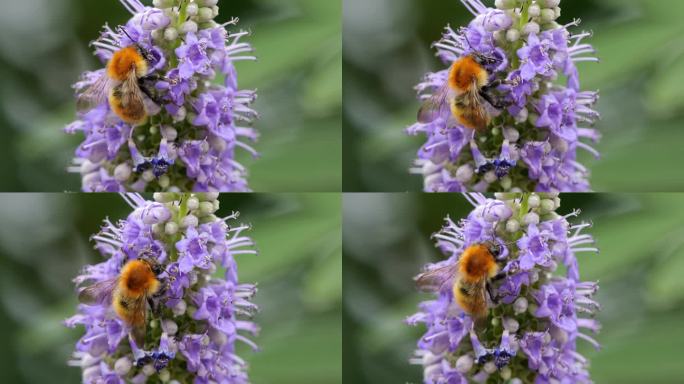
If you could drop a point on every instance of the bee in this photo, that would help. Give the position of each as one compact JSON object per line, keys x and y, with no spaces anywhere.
{"x":122,"y":85}
{"x":469,"y":278}
{"x":464,"y":93}
{"x":129,"y":294}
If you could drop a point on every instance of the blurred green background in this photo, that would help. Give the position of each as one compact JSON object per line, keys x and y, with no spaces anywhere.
{"x":44,"y":48}
{"x":387,"y":51}
{"x":44,"y":243}
{"x":641,"y":238}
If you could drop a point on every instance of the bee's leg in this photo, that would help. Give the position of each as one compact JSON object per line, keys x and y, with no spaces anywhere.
{"x":492,"y":297}
{"x":494,"y":103}
{"x":499,"y":276}
{"x":149,"y":94}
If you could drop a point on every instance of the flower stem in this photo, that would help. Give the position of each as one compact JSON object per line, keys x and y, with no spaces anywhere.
{"x":182,"y":15}
{"x":182,"y":212}
{"x":524,"y":17}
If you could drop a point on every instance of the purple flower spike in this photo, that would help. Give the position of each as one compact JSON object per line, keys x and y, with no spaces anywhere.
{"x":539,"y":117}
{"x":535,"y":314}
{"x":193,"y":322}
{"x":186,"y":50}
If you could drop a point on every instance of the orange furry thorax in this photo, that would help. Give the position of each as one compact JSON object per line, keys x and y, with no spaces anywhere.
{"x":124,"y":61}
{"x":465,"y":73}
{"x":477,"y":263}
{"x":137,"y":279}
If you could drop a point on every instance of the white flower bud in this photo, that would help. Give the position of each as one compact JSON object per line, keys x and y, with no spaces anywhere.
{"x":549,"y":3}
{"x":489,"y":367}
{"x":531,"y":218}
{"x":205,"y":14}
{"x":511,"y":134}
{"x":548,"y":15}
{"x":171,"y":228}
{"x":505,"y":4}
{"x":520,"y":305}
{"x":181,"y":114}
{"x":122,"y":172}
{"x":464,"y":363}
{"x":148,"y":370}
{"x":192,"y":9}
{"x":512,"y":226}
{"x":511,"y":325}
{"x":506,"y":182}
{"x":170,"y":327}
{"x":522,"y":116}
{"x":164,"y":375}
{"x":206,"y":207}
{"x":122,"y":366}
{"x":531,"y":28}
{"x":505,"y":373}
{"x":189,"y":27}
{"x":162,"y":4}
{"x":180,"y":308}
{"x":512,"y":35}
{"x":464,"y":173}
{"x":193,"y":203}
{"x":170,"y":34}
{"x":189,"y":221}
{"x":208,"y":196}
{"x":534,"y":10}
{"x":490,"y":177}
{"x":169,"y":133}
{"x":164,"y":181}
{"x":533,"y":201}
{"x":158,"y":229}
{"x":547,"y":205}
{"x":148,"y":176}
{"x":207,"y":3}
{"x":515,"y":381}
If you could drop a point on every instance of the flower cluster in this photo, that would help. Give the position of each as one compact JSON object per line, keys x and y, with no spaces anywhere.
{"x":532,"y":141}
{"x":195,"y":122}
{"x":536,"y":315}
{"x":199,"y":315}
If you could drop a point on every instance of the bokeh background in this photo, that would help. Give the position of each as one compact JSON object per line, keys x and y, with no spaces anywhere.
{"x":641,"y":238}
{"x":387,"y":51}
{"x":44,"y":241}
{"x":44,"y":48}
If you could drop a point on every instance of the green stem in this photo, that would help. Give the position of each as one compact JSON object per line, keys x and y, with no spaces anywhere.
{"x":524,"y":18}
{"x":182,"y":212}
{"x":182,"y":15}
{"x":524,"y":206}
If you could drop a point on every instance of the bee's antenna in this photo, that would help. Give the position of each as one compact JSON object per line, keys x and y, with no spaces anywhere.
{"x":123,"y":30}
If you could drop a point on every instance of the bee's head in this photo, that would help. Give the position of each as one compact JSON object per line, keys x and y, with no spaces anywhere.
{"x":494,"y":248}
{"x":156,"y":268}
{"x":141,"y":50}
{"x":483,"y":59}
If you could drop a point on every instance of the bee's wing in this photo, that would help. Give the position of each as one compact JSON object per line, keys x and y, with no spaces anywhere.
{"x":435,"y":279}
{"x":98,"y":293}
{"x":94,"y":95}
{"x":435,"y":106}
{"x":475,"y":293}
{"x":139,"y":320}
{"x":131,"y":94}
{"x":476,"y":102}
